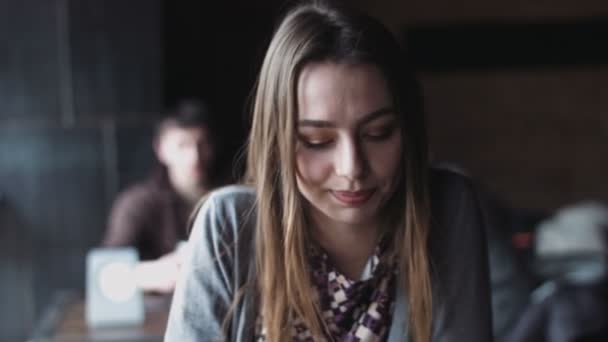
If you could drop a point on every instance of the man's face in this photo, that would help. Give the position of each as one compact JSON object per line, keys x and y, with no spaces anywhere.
{"x":187,"y":153}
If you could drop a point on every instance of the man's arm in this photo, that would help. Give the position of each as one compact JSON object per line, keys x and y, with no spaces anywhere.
{"x":128,"y":217}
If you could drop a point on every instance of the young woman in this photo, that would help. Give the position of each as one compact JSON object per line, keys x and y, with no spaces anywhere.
{"x":343,"y":233}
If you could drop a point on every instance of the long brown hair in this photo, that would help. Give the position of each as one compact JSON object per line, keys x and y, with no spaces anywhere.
{"x":318,"y":32}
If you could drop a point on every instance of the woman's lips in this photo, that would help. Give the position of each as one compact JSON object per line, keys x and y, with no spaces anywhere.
{"x":353,"y":198}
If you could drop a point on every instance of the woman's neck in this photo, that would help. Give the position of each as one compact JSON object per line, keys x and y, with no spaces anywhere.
{"x":349,"y":247}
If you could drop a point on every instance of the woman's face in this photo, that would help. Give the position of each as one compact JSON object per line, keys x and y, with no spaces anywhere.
{"x":348,"y":154}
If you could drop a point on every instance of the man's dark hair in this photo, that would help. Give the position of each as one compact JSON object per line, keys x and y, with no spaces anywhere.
{"x":186,"y":114}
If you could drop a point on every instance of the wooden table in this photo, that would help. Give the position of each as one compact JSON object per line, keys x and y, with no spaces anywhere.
{"x":64,"y":321}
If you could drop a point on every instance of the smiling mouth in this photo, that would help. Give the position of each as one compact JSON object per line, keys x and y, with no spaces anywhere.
{"x":353,"y":198}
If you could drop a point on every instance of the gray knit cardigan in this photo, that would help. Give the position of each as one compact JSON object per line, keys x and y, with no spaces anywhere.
{"x":221,"y":260}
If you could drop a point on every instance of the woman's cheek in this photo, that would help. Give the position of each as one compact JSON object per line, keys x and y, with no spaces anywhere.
{"x":313,"y":166}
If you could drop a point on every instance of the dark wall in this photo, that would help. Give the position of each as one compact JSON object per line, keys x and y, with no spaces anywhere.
{"x":80,"y":84}
{"x":515,"y":92}
{"x":16,"y":272}
{"x":31,"y":81}
{"x":115,"y":57}
{"x":214,"y":50}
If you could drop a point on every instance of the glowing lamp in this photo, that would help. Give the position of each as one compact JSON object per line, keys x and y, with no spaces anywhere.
{"x":112,"y":297}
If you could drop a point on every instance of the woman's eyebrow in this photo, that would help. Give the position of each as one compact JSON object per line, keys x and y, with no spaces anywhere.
{"x":376,"y":114}
{"x":329,"y":124}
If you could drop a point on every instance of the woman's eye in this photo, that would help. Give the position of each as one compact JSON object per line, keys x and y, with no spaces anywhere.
{"x":316,"y":144}
{"x":380,"y":134}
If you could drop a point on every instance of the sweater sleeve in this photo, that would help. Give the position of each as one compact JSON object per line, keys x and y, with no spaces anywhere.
{"x":205,"y":291}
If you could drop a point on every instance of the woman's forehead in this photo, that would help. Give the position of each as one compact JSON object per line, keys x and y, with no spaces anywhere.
{"x":338,"y":92}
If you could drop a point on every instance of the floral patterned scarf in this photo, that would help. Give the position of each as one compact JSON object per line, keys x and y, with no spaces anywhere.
{"x":353,"y":310}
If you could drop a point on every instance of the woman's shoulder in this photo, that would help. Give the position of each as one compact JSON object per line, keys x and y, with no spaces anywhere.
{"x":226,"y":214}
{"x":451,"y":192}
{"x":455,"y":207}
{"x":461,"y":297}
{"x":235,"y":195}
{"x":232,"y":202}
{"x":446,"y":182}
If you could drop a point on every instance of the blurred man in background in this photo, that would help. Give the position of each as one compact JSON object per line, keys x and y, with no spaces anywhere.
{"x":152,"y":215}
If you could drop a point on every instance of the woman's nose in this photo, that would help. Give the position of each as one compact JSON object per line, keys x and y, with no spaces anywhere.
{"x":350,"y":162}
